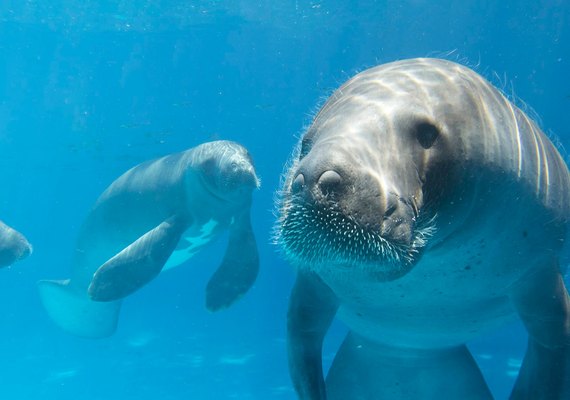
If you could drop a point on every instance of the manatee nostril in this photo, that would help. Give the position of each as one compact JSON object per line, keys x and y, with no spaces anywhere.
{"x":392,"y":203}
{"x":390,"y":210}
{"x":298,"y":183}
{"x":329,"y":182}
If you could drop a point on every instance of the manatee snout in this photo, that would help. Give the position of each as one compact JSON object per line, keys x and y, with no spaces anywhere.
{"x":347,"y":217}
{"x":358,"y":195}
{"x":236,"y":177}
{"x":244,"y":176}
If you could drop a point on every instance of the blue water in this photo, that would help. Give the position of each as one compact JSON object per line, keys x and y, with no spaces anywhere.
{"x":89,"y":89}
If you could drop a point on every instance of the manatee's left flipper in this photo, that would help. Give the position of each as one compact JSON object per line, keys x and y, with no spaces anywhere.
{"x":544,"y":306}
{"x":239,"y":267}
{"x":138,"y":263}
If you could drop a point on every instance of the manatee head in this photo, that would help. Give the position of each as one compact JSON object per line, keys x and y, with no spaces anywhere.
{"x":226,"y":170}
{"x":13,"y":246}
{"x":363,"y":188}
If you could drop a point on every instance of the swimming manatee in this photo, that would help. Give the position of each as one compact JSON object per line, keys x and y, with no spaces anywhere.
{"x":156,"y":216}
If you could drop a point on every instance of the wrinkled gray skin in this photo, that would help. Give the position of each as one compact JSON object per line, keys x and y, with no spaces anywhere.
{"x":424,"y":209}
{"x":156,"y":216}
{"x":13,"y":246}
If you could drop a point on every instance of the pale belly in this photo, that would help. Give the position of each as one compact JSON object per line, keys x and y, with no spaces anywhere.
{"x":452,"y":295}
{"x":193,"y":240}
{"x":423,"y":318}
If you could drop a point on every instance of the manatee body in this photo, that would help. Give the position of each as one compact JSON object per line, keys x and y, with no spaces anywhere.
{"x":156,"y":216}
{"x":424,"y":209}
{"x":13,"y":245}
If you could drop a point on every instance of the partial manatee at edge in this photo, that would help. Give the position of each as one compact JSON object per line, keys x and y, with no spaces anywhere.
{"x":154,"y":217}
{"x":13,"y":246}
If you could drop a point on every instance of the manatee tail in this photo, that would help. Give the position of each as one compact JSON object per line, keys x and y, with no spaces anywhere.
{"x":75,"y":313}
{"x":365,"y":370}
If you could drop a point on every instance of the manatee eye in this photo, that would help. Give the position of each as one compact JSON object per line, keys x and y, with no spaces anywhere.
{"x":426,"y":134}
{"x":306,"y":145}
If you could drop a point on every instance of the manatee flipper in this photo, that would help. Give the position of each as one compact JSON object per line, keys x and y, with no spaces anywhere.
{"x":239,"y":268}
{"x":76,"y":313}
{"x":138,"y":263}
{"x":543,"y":304}
{"x":312,"y":307}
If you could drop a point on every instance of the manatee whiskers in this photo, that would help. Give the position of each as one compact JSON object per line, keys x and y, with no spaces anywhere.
{"x":318,"y":236}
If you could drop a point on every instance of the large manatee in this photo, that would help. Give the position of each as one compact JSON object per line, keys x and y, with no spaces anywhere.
{"x":424,"y":209}
{"x":156,"y":216}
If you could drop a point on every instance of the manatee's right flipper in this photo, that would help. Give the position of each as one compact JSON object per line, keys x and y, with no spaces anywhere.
{"x":543,"y":304}
{"x":138,"y":263}
{"x":75,"y":313}
{"x":239,"y":267}
{"x":13,"y":245}
{"x":312,"y":307}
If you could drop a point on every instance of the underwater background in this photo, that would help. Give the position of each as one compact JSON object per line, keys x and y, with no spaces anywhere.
{"x":89,"y":89}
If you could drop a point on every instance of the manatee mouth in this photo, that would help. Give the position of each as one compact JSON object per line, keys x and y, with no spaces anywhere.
{"x":230,"y":192}
{"x":232,"y":187}
{"x":317,"y":236}
{"x":212,"y":191}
